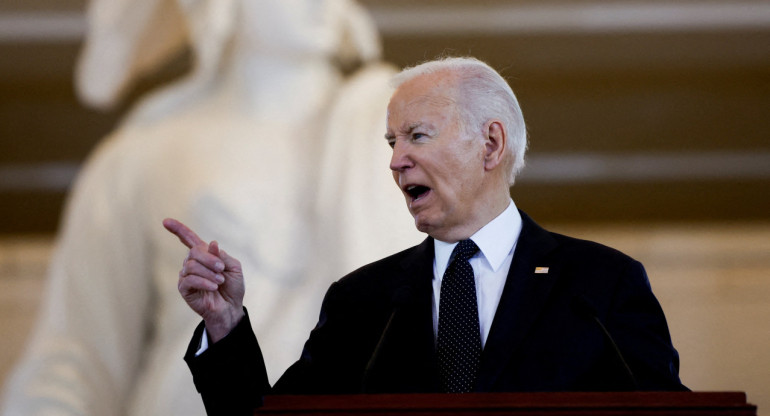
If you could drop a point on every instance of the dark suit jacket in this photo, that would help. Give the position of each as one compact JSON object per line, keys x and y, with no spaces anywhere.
{"x":544,"y":337}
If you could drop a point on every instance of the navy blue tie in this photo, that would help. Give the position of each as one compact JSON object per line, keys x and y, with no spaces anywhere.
{"x":458,"y":347}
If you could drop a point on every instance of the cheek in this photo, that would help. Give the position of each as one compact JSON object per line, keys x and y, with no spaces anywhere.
{"x":467,"y":149}
{"x":465,"y":176}
{"x":461,"y":164}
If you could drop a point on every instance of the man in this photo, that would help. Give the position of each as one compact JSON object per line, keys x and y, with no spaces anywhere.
{"x":488,"y":302}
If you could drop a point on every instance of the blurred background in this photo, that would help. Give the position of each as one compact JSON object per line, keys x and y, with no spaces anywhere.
{"x":649,"y":131}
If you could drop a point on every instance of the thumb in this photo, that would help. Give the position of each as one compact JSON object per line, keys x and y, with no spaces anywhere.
{"x":231,"y":263}
{"x":214,"y":248}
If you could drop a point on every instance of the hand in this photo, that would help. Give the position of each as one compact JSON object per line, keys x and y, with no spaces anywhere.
{"x":211,"y":282}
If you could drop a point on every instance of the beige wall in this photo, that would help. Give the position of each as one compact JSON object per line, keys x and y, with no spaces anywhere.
{"x":712,"y":281}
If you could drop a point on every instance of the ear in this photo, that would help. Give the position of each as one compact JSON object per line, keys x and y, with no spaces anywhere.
{"x":496,"y":144}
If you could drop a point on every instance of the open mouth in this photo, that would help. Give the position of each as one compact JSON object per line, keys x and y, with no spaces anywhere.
{"x":417,"y":191}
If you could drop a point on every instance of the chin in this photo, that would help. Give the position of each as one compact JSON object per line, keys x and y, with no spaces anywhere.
{"x":419,"y":223}
{"x":423,"y":225}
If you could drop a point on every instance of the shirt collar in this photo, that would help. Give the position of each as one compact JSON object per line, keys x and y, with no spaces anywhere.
{"x":496,"y":240}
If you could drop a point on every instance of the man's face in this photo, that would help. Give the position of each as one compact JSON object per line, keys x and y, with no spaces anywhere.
{"x":439,"y":169}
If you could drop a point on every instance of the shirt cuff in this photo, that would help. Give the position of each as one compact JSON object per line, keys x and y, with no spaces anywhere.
{"x":203,"y":344}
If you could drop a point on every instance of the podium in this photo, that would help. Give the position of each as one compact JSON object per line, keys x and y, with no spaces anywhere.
{"x":543,"y":404}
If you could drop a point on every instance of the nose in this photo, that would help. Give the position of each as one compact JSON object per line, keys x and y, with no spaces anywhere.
{"x":400,"y":159}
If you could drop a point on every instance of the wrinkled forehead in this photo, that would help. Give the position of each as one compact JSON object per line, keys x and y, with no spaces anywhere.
{"x":437,"y":84}
{"x":438,"y":101}
{"x":425,"y":92}
{"x":426,"y":99}
{"x":406,"y":112}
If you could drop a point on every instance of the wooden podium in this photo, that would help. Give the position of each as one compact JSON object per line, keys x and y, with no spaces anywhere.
{"x":544,"y":404}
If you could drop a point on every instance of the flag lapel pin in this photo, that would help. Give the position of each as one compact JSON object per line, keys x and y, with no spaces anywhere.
{"x":541,"y":270}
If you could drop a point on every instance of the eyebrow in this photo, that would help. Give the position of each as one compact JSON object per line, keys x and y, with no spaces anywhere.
{"x":411,"y":128}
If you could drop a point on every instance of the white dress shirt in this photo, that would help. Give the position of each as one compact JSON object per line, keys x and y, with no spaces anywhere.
{"x":496,"y":241}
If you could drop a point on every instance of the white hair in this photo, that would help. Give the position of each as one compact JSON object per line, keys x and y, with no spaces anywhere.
{"x":485,"y":95}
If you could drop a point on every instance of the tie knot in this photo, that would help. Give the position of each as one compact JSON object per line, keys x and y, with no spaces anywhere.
{"x":464,"y":250}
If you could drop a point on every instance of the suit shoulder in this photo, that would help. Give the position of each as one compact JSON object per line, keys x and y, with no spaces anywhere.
{"x":381,"y":266}
{"x":595,"y":267}
{"x":590,"y":251}
{"x":379,"y":275}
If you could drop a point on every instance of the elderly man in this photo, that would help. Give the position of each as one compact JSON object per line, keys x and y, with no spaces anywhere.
{"x":488,"y":302}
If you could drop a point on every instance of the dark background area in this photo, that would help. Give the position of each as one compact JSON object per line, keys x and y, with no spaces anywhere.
{"x":596,"y":94}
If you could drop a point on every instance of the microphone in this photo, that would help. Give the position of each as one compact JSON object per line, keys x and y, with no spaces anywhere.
{"x":401,"y":297}
{"x":582,"y":306}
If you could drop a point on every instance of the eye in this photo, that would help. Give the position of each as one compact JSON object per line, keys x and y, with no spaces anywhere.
{"x":391,"y":139}
{"x":417,"y":136}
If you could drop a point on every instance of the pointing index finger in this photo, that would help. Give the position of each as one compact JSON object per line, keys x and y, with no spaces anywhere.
{"x":184,"y":233}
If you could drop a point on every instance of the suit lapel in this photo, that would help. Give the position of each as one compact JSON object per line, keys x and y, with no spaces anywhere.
{"x":522,"y":300}
{"x":415,"y":323}
{"x":418,"y":274}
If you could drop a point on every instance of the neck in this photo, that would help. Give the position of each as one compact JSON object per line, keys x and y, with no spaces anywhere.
{"x":486,"y":211}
